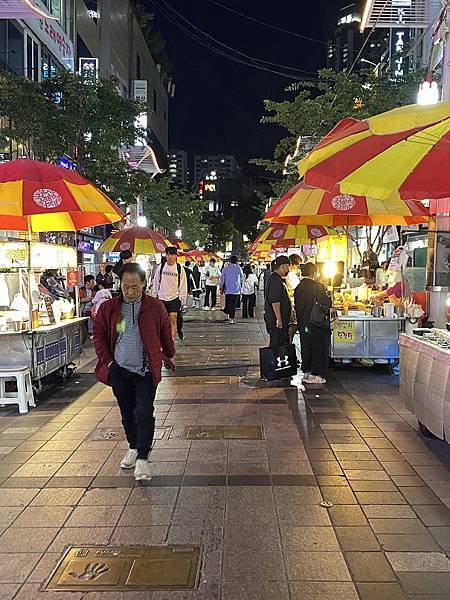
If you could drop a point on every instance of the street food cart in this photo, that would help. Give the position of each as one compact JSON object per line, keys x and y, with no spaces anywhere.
{"x":425,"y":379}
{"x":38,"y":297}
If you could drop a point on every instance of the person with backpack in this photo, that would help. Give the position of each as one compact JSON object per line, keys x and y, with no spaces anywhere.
{"x":170,"y":286}
{"x":211,"y":274}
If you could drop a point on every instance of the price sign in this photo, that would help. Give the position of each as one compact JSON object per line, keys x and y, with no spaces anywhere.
{"x":344,"y":332}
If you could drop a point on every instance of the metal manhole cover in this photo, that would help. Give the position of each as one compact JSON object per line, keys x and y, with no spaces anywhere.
{"x":127,"y":568}
{"x":224,"y":432}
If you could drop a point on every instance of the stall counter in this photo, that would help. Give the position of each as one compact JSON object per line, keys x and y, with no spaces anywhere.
{"x":425,"y":384}
{"x":44,"y":350}
{"x":366,"y":337}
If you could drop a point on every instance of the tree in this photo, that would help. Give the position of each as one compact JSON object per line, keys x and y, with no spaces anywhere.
{"x":314,"y":108}
{"x":172,"y":207}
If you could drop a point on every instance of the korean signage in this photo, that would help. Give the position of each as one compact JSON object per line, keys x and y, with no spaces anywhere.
{"x":53,"y":256}
{"x":344,"y":332}
{"x":13,"y":255}
{"x":88,"y":68}
{"x":51,"y":34}
{"x":73,"y":278}
{"x":140,"y":90}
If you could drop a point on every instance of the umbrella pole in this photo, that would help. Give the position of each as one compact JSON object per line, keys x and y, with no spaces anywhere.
{"x":30,"y":275}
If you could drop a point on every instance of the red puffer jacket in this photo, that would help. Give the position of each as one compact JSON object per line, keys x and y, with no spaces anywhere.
{"x":154,"y":326}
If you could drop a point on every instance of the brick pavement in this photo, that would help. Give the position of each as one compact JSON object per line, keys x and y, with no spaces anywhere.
{"x":343,"y":499}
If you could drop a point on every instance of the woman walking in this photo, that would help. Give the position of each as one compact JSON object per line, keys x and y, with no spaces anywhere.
{"x":249,"y":287}
{"x":312,"y":305}
{"x":197,"y":290}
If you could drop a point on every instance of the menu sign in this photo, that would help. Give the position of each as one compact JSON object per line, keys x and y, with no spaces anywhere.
{"x":344,"y":332}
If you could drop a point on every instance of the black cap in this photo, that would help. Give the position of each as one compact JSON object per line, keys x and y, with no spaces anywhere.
{"x":281,"y":260}
{"x":125,"y":254}
{"x":172,"y":250}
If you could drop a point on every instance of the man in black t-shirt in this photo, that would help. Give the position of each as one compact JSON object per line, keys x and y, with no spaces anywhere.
{"x":277,"y":307}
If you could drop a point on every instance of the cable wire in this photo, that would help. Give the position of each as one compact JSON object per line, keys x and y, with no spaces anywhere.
{"x":265,"y":24}
{"x":166,"y":10}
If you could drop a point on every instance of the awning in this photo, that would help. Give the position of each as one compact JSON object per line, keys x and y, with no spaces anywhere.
{"x":22,"y":9}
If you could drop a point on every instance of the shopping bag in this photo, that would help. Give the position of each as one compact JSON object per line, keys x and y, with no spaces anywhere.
{"x":278,"y":363}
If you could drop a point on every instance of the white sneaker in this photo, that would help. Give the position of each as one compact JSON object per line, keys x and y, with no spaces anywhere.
{"x":206,"y":308}
{"x":142,"y":470}
{"x":314,"y":379}
{"x":129,"y":460}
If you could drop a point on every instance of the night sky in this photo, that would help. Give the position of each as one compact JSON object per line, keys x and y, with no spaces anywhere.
{"x":219,"y":103}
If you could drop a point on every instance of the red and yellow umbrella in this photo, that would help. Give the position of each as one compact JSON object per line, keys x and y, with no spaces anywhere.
{"x":181,"y":245}
{"x":139,"y":240}
{"x":305,"y":204}
{"x":403,"y":153}
{"x":203,"y":256}
{"x":37,"y":196}
{"x":284,"y":235}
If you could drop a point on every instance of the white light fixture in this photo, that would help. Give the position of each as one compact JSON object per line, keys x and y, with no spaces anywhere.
{"x":428,"y":92}
{"x":142,"y":221}
{"x":178,"y":234}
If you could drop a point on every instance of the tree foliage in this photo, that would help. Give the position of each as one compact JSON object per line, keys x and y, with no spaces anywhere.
{"x":90,"y":122}
{"x":312,"y":109}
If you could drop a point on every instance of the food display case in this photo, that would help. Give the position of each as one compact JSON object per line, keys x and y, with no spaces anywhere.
{"x":39,"y":326}
{"x":425,"y":379}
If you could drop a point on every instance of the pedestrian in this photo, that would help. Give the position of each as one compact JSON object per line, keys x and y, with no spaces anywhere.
{"x":230,"y":285}
{"x":196,"y":292}
{"x":170,"y":285}
{"x":105,"y":277}
{"x":266,"y":273}
{"x":190,"y":283}
{"x":132,"y":337}
{"x":249,"y":288}
{"x":86,"y":292}
{"x":293,"y":278}
{"x":101,"y":296}
{"x":211,"y":274}
{"x":278,"y":306}
{"x":314,"y":337}
{"x":125,"y":257}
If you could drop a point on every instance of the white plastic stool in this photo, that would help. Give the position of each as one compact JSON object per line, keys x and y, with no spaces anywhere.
{"x":24,"y":396}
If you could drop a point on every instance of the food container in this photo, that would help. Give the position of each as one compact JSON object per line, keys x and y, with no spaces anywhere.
{"x":388,"y":310}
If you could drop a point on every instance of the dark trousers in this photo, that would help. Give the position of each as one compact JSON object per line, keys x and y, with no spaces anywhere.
{"x":315,"y":350}
{"x":180,"y":321}
{"x":248,"y":305}
{"x":230,"y":304}
{"x":135,"y":395}
{"x":278,"y":337}
{"x":211,"y":292}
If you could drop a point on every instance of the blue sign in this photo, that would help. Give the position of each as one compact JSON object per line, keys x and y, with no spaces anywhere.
{"x":67,"y":164}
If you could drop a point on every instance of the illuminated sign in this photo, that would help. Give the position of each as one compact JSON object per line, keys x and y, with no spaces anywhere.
{"x":399,"y":37}
{"x":51,"y":34}
{"x":88,"y":68}
{"x":67,"y":164}
{"x":140,"y":90}
{"x":210,"y":187}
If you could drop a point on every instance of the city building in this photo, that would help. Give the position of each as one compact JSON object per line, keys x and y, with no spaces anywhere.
{"x":42,"y":42}
{"x":403,"y":28}
{"x":224,"y":165}
{"x":179,"y":167}
{"x":109,"y":39}
{"x":347,"y":42}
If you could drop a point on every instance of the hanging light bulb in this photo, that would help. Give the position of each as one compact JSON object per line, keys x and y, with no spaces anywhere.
{"x":428,"y":92}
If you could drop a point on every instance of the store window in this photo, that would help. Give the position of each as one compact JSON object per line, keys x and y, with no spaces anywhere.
{"x":11,"y":47}
{"x":32,"y":66}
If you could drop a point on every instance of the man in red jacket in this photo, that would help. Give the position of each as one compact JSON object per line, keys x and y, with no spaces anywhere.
{"x":132,"y":337}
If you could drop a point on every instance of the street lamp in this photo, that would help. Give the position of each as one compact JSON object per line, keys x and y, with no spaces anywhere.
{"x":428,"y":92}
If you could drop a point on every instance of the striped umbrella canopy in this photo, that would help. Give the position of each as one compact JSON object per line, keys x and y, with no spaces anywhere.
{"x":284,"y":235}
{"x":305,"y":204}
{"x":261,"y":255}
{"x":181,"y":245}
{"x":37,"y":196}
{"x":139,"y":240}
{"x":403,"y":153}
{"x":203,"y":256}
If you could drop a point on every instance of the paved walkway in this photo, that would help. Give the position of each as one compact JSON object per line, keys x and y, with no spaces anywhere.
{"x":343,"y":499}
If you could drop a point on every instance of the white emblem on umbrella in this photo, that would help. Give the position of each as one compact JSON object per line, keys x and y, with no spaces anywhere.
{"x":46,"y":198}
{"x":160,"y":246}
{"x":125,"y":246}
{"x":277,"y":233}
{"x":343,"y":202}
{"x":316,"y":232}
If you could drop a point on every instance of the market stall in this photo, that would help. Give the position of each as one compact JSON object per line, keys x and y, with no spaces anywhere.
{"x":39,"y":326}
{"x":425,"y":379}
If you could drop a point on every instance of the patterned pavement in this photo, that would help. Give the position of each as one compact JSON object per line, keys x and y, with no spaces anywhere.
{"x":343,"y":499}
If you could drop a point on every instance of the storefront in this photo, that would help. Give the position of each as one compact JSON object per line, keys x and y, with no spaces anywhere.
{"x":39,"y":326}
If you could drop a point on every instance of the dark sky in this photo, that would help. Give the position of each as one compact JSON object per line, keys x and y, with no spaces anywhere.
{"x":219,"y":103}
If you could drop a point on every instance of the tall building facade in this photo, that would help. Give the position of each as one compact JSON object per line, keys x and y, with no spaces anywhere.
{"x":347,"y":41}
{"x":109,"y":38}
{"x":179,"y":167}
{"x":222,"y":165}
